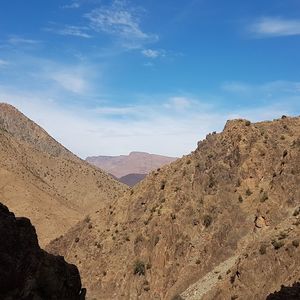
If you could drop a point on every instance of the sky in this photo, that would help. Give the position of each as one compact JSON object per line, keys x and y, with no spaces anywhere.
{"x":107,"y":77}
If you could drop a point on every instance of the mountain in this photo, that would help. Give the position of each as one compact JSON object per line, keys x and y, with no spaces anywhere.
{"x":28,"y":272}
{"x":220,"y":223}
{"x":41,"y":179}
{"x":134,"y":163}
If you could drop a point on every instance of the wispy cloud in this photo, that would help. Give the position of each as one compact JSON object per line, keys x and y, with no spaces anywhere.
{"x":71,"y":80}
{"x":116,"y":111}
{"x":266,"y":89}
{"x":121,"y":21}
{"x":74,"y":4}
{"x":275,"y":27}
{"x":179,"y":103}
{"x":150,"y":53}
{"x":69,"y":30}
{"x":3,"y":63}
{"x":17,"y":40}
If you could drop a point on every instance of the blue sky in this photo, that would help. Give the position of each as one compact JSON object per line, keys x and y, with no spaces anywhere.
{"x":113,"y":76}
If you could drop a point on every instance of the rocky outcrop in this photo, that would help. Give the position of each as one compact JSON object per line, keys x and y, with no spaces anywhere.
{"x":26,"y":271}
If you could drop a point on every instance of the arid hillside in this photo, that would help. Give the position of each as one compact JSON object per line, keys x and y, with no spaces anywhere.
{"x":220,"y":223}
{"x":42,"y":180}
{"x":134,"y":163}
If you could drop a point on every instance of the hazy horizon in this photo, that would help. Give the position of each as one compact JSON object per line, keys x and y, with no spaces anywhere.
{"x":111,"y":77}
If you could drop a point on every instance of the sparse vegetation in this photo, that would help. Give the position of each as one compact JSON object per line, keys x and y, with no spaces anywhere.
{"x":263,"y":249}
{"x":295,"y":243}
{"x":177,"y":297}
{"x":248,"y":192}
{"x":277,"y":244}
{"x":296,"y":212}
{"x":241,"y":199}
{"x":163,"y":185}
{"x":207,"y":220}
{"x":282,"y":235}
{"x":139,"y":268}
{"x":264,"y":196}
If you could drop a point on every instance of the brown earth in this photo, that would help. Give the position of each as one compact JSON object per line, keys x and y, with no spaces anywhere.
{"x":26,"y":271}
{"x":134,"y":163}
{"x":41,"y":179}
{"x":197,"y":227}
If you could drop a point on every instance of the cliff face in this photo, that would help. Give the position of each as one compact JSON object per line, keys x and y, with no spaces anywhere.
{"x":195,"y":227}
{"x":26,"y":271}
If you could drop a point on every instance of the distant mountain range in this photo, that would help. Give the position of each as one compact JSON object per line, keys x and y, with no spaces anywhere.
{"x":132,"y":168}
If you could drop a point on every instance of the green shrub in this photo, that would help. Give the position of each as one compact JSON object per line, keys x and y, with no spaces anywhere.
{"x":139,"y":268}
{"x":277,"y":244}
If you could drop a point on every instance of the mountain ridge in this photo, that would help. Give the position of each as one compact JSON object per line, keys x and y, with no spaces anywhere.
{"x":136,"y":162}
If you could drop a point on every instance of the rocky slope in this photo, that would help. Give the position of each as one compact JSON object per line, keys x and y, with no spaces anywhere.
{"x":26,"y":271}
{"x":135,"y":163}
{"x":41,"y":179}
{"x":220,"y":223}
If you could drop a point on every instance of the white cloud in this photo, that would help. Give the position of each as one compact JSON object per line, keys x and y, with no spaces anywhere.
{"x":150,"y":53}
{"x":78,"y":31}
{"x":121,"y":21}
{"x":71,"y":80}
{"x":273,"y":27}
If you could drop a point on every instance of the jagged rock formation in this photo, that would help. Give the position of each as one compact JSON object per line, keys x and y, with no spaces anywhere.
{"x":198,"y":224}
{"x":26,"y":271}
{"x":41,"y":179}
{"x":135,"y":163}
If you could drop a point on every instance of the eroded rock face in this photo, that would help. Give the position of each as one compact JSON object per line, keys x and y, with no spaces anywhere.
{"x":26,"y":271}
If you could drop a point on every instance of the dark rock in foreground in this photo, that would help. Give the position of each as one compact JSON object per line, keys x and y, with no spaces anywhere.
{"x":286,"y":293}
{"x":28,"y":272}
